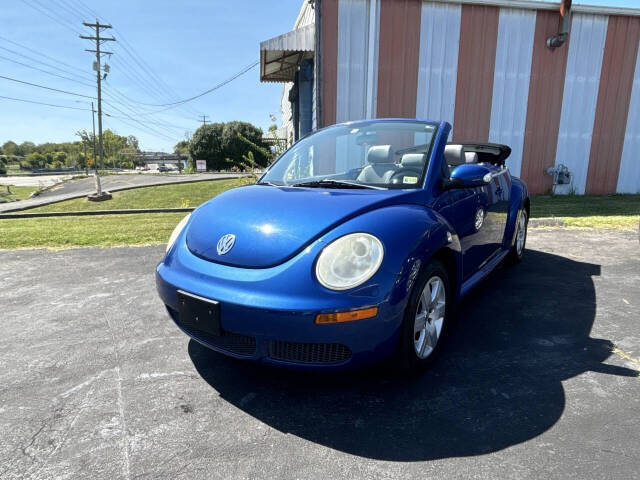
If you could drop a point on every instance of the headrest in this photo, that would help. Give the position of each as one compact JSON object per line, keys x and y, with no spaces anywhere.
{"x":454,"y":155}
{"x":412,"y":160}
{"x":379,"y":154}
{"x":471,"y":157}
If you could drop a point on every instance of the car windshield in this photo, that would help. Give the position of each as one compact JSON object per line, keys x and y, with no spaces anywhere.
{"x":375,"y":154}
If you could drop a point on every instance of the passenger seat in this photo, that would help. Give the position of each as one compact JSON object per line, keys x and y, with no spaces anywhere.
{"x":381,"y":167}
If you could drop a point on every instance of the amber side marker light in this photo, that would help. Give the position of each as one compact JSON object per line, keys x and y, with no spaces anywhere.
{"x":351,"y":316}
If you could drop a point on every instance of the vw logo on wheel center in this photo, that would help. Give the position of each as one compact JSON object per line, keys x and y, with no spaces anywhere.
{"x":226,"y":243}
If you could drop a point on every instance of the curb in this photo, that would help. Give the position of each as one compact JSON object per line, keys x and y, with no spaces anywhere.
{"x":85,"y":213}
{"x":546,"y":222}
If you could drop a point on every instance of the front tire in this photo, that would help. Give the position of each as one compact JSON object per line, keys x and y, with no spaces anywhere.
{"x":426,"y":318}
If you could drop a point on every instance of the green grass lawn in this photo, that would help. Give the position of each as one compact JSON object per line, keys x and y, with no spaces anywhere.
{"x":17,"y":193}
{"x":103,"y":230}
{"x":166,"y":196}
{"x":112,"y":230}
{"x":589,"y":211}
{"x":584,"y":206}
{"x":605,"y":212}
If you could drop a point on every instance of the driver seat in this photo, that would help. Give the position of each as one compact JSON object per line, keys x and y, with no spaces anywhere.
{"x":380,"y":166}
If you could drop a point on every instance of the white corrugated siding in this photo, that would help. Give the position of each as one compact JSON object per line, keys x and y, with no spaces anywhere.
{"x":357,"y":60}
{"x":629,"y":175}
{"x":584,"y":64}
{"x":514,"y":51}
{"x":438,"y":61}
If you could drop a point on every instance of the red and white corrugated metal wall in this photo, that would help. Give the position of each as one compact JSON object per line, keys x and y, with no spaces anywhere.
{"x":485,"y":67}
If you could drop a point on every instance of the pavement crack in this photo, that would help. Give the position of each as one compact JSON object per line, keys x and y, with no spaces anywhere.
{"x":123,"y":423}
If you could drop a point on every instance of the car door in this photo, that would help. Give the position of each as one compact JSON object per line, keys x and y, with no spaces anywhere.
{"x":458,"y":207}
{"x":490,"y":218}
{"x":478,"y":216}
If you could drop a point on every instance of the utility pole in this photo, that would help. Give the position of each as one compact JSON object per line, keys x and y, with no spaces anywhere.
{"x":93,"y":120}
{"x":98,"y":68}
{"x":84,"y":144}
{"x":95,"y":159}
{"x":204,"y":119}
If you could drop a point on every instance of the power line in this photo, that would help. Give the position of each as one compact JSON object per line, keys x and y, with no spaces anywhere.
{"x":160,"y":124}
{"x":44,"y":11}
{"x":47,"y":88}
{"x":69,"y":9}
{"x":42,"y":103}
{"x":221,"y":84}
{"x":143,"y":67}
{"x":115,"y":99}
{"x":216,"y":87}
{"x":145,"y":127}
{"x":48,"y":65}
{"x":33,"y":50}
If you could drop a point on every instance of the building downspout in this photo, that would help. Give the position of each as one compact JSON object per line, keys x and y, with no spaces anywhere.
{"x":317,"y":6}
{"x":564,"y":28}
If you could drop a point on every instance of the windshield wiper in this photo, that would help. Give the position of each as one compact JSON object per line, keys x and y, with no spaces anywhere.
{"x":330,"y":183}
{"x":266,"y":182}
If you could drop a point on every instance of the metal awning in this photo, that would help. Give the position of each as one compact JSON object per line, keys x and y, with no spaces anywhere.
{"x":280,"y":56}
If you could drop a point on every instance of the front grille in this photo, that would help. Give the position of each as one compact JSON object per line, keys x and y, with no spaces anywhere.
{"x":309,"y":352}
{"x":229,"y":341}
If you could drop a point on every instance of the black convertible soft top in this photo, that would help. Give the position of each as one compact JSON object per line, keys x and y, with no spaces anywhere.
{"x":494,"y":153}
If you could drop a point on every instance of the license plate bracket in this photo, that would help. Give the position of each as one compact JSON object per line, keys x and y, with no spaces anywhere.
{"x":202,"y":313}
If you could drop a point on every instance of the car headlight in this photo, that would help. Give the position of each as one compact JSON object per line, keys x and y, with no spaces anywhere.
{"x":349,"y":261}
{"x":176,"y":231}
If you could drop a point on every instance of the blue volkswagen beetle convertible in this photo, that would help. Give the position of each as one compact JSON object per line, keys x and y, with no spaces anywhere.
{"x":352,"y":248}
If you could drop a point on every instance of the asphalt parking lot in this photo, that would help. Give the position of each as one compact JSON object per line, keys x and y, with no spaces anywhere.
{"x":539,"y":380}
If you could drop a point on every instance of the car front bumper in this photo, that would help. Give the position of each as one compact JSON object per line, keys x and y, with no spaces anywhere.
{"x":266,"y":319}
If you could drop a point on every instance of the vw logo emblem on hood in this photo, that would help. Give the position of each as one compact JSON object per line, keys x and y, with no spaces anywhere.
{"x":226,"y":243}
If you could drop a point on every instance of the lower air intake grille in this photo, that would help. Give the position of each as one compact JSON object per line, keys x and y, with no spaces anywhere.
{"x":229,"y":341}
{"x":309,"y":352}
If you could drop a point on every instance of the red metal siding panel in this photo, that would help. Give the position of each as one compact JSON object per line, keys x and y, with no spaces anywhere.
{"x":612,"y":109}
{"x":399,"y":49}
{"x":476,"y":65}
{"x":329,"y":46}
{"x":548,"y":68}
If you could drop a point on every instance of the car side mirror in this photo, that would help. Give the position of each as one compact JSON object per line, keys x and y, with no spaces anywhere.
{"x":468,"y":175}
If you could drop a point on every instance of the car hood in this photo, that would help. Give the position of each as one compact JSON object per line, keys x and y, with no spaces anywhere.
{"x":273,"y":224}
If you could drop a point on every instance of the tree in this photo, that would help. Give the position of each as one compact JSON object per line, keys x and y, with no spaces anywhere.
{"x":25,"y":148}
{"x":9,"y":148}
{"x":3,"y":164}
{"x":223,"y":145}
{"x":34,"y":160}
{"x":181,"y":148}
{"x":206,"y":144}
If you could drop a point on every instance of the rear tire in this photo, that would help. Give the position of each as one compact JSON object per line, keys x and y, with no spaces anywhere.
{"x":426,"y":318}
{"x":517,"y":250}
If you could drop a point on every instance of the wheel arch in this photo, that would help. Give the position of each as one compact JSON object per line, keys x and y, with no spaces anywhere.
{"x":446,"y":256}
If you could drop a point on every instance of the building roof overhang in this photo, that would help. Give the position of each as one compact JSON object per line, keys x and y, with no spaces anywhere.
{"x":280,"y":56}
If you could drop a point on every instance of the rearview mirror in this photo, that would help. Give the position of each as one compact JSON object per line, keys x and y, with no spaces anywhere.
{"x":468,"y":175}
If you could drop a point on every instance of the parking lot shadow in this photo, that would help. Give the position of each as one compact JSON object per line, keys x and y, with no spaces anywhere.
{"x":497,"y":383}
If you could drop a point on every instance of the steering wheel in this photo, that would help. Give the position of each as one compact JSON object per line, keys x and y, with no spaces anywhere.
{"x":398,"y":177}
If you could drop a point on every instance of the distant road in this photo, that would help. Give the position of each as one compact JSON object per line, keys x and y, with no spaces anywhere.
{"x":84,"y":186}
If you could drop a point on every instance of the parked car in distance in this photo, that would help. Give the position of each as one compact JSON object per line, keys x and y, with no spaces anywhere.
{"x":351,"y":249}
{"x":163,"y":168}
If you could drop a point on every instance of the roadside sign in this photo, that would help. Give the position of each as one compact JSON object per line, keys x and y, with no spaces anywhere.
{"x":201,"y":165}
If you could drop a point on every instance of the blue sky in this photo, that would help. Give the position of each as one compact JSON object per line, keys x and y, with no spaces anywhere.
{"x":189,"y":45}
